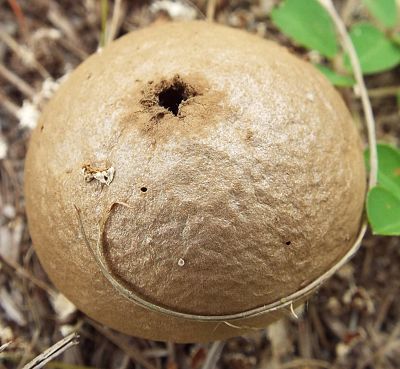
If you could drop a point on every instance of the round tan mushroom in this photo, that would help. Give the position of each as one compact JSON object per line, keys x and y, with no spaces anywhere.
{"x":187,"y":177}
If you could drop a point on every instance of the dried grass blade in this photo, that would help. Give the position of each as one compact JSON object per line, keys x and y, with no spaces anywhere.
{"x":52,"y":352}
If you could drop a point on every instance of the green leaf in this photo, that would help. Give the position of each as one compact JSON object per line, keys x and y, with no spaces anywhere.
{"x":383,"y":10}
{"x":383,"y":209}
{"x":375,"y":51}
{"x":396,"y":38}
{"x":335,"y":78}
{"x":308,"y":24}
{"x":389,"y":167}
{"x":383,"y":201}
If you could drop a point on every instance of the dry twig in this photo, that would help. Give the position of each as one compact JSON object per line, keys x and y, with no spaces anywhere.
{"x":213,"y":355}
{"x":10,"y":106}
{"x":17,"y":81}
{"x":53,"y":351}
{"x":26,"y":274}
{"x":16,"y":8}
{"x":211,"y":5}
{"x":384,"y":91}
{"x":3,"y":347}
{"x":116,"y":21}
{"x":306,"y":364}
{"x":26,"y":55}
{"x":63,"y":23}
{"x":127,"y":348}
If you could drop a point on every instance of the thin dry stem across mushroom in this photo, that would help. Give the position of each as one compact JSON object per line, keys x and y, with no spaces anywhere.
{"x":99,"y":257}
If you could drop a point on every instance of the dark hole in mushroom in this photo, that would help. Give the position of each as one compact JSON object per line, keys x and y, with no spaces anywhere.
{"x":288,"y":242}
{"x":172,"y":96}
{"x":143,"y":189}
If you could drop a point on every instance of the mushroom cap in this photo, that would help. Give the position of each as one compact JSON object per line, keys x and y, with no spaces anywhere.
{"x":239,"y":180}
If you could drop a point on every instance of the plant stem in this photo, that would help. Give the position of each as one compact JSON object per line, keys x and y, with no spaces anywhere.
{"x":369,"y":117}
{"x":104,"y":13}
{"x":53,"y":351}
{"x":384,"y":91}
{"x":211,"y":4}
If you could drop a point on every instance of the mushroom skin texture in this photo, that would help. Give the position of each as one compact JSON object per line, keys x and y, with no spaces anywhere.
{"x":238,"y":172}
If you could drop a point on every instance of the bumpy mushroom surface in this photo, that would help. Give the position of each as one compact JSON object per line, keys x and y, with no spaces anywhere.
{"x":236,"y":167}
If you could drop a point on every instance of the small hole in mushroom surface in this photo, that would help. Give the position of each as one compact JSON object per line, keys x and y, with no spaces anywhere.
{"x":171,"y":97}
{"x":288,"y":242}
{"x":143,"y":189}
{"x":160,"y":115}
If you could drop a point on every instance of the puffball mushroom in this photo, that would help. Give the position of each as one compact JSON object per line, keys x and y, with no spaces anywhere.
{"x":189,"y":179}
